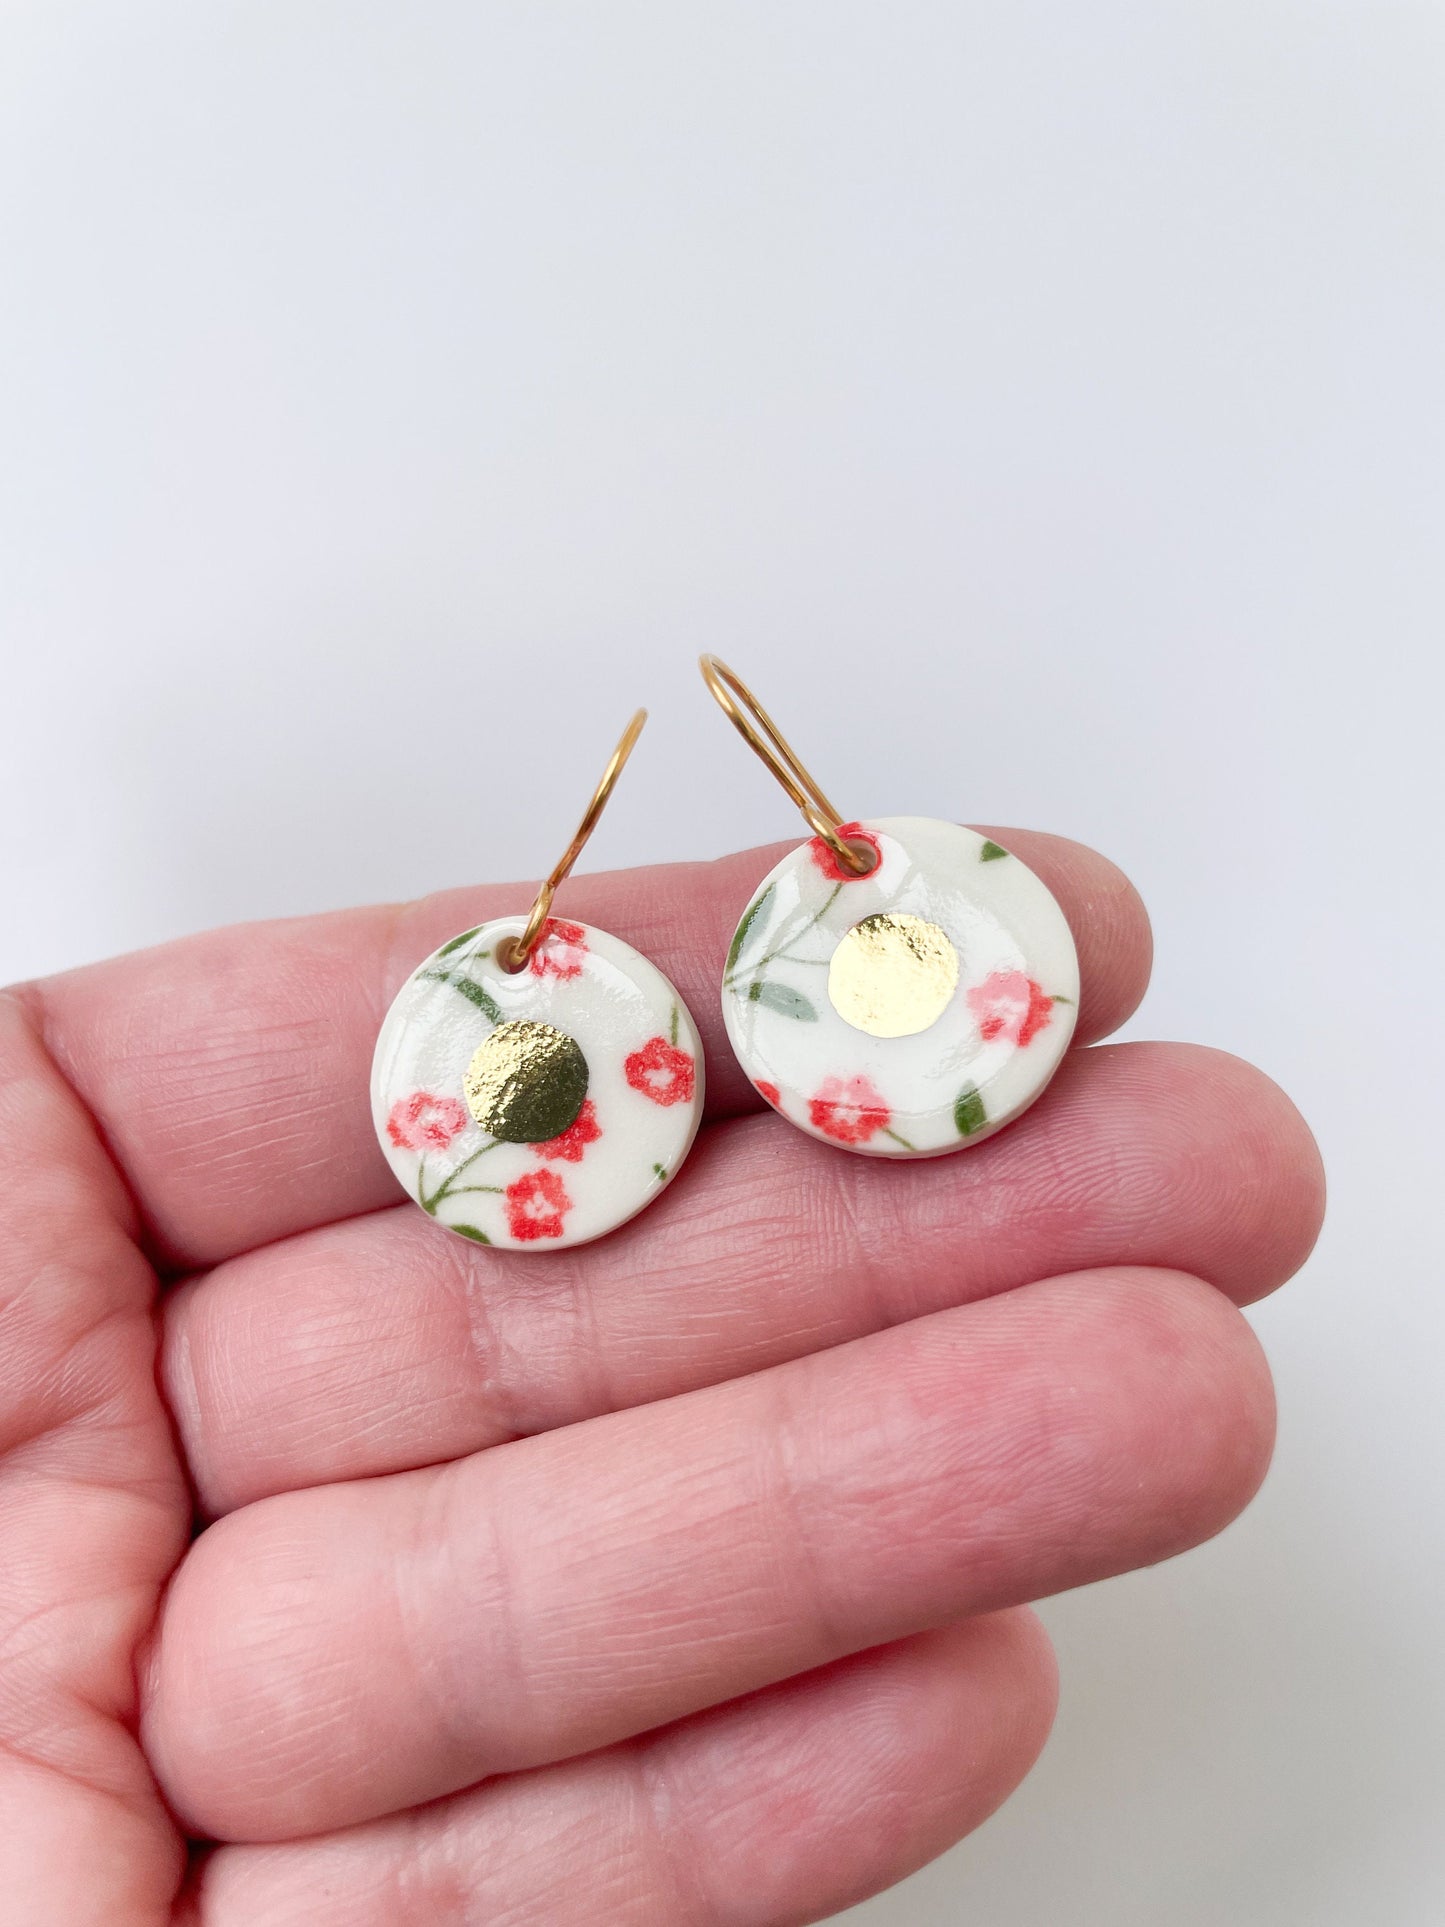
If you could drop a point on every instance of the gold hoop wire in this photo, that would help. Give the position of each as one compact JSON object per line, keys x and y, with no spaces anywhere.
{"x":766,"y":740}
{"x":519,"y":949}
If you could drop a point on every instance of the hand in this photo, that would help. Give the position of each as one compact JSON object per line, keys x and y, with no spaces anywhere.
{"x":674,"y":1579}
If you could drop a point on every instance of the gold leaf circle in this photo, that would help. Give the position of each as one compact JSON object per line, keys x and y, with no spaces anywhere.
{"x":893,"y":975}
{"x":526,"y":1082}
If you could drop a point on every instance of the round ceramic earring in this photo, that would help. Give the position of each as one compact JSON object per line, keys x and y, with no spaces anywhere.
{"x":538,"y":1082}
{"x":900,"y":987}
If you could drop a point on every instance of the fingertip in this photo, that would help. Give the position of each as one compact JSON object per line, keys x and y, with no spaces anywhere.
{"x":899,"y":1752}
{"x":1277,"y":1171}
{"x":1012,"y":1650}
{"x":1209,"y":1428}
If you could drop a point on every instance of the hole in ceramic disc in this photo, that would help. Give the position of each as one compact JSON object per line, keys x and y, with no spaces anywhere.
{"x":526,"y":1082}
{"x":893,"y":975}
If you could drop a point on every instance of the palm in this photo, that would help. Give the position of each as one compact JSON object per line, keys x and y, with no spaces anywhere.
{"x":499,"y":1531}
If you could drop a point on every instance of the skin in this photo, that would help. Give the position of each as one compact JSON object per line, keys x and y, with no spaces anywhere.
{"x":680,"y":1578}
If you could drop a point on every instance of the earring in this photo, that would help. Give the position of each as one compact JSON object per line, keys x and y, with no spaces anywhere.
{"x":537,"y":1082}
{"x":901,"y":987}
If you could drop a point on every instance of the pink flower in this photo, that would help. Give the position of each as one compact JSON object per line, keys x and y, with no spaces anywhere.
{"x":536,"y":1206}
{"x":571,"y":1143}
{"x":848,"y":1109}
{"x":1009,"y":1004}
{"x":560,"y":949}
{"x":422,"y":1122}
{"x":769,"y":1091}
{"x":823,"y":855}
{"x":661,"y":1071}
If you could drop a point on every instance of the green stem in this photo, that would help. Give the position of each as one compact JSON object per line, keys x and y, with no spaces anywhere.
{"x":444,"y":1189}
{"x":785,"y":950}
{"x":899,"y":1140}
{"x":474,"y":992}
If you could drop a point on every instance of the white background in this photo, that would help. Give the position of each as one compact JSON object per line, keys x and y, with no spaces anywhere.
{"x":1044,"y":403}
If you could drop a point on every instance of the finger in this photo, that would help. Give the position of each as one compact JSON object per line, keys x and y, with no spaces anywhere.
{"x":365,"y":1647}
{"x":230,"y":1071}
{"x":377,"y":1345}
{"x":778,"y":1808}
{"x":93,"y":1515}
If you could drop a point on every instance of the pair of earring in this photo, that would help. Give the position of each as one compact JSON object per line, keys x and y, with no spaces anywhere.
{"x":901,"y":987}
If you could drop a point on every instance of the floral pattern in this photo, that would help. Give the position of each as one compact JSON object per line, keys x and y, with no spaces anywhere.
{"x":826,"y":857}
{"x":560,"y":951}
{"x":422,"y":1122}
{"x":537,"y":1206}
{"x":1010,"y":1005}
{"x":849,"y":1110}
{"x":749,"y":976}
{"x":634,"y":1111}
{"x":661,"y":1071}
{"x":571,"y":1143}
{"x":982,"y":1059}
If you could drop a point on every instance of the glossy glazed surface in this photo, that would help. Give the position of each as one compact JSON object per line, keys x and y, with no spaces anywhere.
{"x":908,"y":1012}
{"x":589,"y":1044}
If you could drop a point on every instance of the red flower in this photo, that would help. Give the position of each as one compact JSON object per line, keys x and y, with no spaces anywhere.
{"x":570,"y":1144}
{"x":661,"y":1071}
{"x":536,"y":1206}
{"x":828,"y":863}
{"x":848,"y":1109}
{"x":560,"y":949}
{"x":769,"y":1091}
{"x":422,"y":1122}
{"x":1009,"y":1004}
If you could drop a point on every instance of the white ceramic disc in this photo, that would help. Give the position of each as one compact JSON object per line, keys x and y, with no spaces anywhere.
{"x":908,"y":1012}
{"x":543,"y":1108}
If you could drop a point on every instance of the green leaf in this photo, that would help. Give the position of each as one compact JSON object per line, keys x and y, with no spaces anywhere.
{"x":744,"y":929}
{"x":786,"y":1002}
{"x":470,"y":1231}
{"x":968,"y":1112}
{"x":474,"y":993}
{"x":991,"y":851}
{"x":457,"y":942}
{"x":659,"y":1170}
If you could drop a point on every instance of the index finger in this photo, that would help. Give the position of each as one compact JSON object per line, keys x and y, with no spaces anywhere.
{"x":229,"y":1071}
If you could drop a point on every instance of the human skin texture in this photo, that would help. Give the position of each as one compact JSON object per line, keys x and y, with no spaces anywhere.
{"x":358,"y":1576}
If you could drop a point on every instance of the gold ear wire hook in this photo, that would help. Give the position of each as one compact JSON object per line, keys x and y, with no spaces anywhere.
{"x":765,"y":739}
{"x":519,"y":949}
